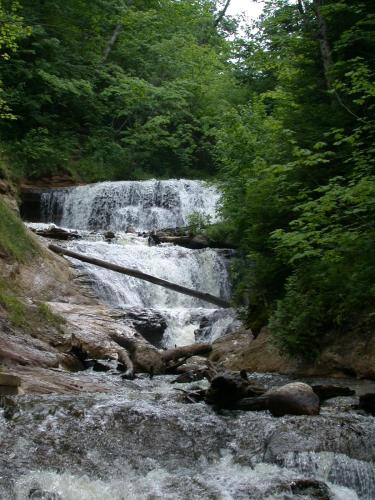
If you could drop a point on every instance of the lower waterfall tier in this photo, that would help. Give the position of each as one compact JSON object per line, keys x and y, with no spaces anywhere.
{"x":186,"y":319}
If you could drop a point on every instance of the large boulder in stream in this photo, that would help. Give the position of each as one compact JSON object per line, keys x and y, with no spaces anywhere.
{"x":235,"y":391}
{"x":295,"y":398}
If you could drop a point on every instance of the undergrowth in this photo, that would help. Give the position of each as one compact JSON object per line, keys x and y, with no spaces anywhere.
{"x":15,"y":242}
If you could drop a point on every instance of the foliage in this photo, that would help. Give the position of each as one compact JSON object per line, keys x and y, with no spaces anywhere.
{"x":12,"y":29}
{"x":298,"y":173}
{"x":144,"y":103}
{"x":197,"y":222}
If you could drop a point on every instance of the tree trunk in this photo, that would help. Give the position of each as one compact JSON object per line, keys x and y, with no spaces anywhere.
{"x":112,"y":41}
{"x":325,"y":48}
{"x":222,"y":14}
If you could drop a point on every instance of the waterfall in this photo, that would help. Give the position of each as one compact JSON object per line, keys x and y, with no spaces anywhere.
{"x":141,"y":205}
{"x":203,"y":270}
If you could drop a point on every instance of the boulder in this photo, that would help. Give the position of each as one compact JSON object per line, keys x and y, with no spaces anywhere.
{"x":8,"y":390}
{"x":367,"y":402}
{"x":295,"y":398}
{"x":229,"y":388}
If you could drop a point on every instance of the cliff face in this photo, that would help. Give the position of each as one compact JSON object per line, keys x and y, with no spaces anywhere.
{"x":47,"y":315}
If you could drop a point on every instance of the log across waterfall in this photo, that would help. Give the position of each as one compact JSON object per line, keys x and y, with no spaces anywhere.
{"x":143,"y":276}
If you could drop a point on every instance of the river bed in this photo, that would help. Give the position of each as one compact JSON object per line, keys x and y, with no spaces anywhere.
{"x":142,"y":440}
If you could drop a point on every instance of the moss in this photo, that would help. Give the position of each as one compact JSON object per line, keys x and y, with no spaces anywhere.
{"x":15,"y":242}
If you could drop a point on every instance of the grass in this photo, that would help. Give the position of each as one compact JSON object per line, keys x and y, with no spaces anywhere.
{"x":15,"y":242}
{"x":49,"y":316}
{"x":16,"y":309}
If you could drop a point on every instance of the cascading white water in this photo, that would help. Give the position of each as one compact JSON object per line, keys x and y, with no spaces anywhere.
{"x":142,"y":205}
{"x":148,"y":205}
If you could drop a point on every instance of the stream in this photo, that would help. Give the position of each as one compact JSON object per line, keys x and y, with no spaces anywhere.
{"x":141,"y":440}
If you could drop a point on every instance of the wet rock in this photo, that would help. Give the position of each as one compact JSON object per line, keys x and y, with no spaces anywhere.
{"x":57,"y":233}
{"x":311,"y":488}
{"x":367,"y":403}
{"x":295,"y":398}
{"x":30,"y":205}
{"x":259,"y":355}
{"x":228,"y":324}
{"x":149,"y":323}
{"x":37,"y":493}
{"x":109,"y":235}
{"x":227,"y":349}
{"x":229,"y":388}
{"x":328,"y":391}
{"x":101,"y":365}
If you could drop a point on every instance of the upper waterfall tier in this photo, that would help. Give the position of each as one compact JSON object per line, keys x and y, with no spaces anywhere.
{"x":142,"y":205}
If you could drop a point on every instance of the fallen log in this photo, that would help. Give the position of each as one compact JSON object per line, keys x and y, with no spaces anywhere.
{"x":143,"y":276}
{"x":146,"y":358}
{"x":186,"y":351}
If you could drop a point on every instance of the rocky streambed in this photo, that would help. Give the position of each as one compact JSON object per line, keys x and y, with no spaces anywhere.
{"x":142,"y":440}
{"x":78,"y":433}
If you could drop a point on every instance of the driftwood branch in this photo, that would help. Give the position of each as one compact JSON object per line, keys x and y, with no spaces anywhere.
{"x":139,"y":274}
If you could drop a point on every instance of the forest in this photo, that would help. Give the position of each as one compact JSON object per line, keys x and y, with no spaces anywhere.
{"x":279,"y":114}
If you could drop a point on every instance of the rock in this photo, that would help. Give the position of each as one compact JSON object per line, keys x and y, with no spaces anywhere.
{"x":227,"y":326}
{"x":30,"y":205}
{"x":199,"y":241}
{"x":101,"y":365}
{"x":8,"y":390}
{"x":109,"y":235}
{"x":327,"y":391}
{"x":227,"y":350}
{"x":37,"y":493}
{"x":229,"y":388}
{"x":193,"y":375}
{"x":311,"y":488}
{"x":367,"y":403}
{"x":10,"y":380}
{"x":259,"y":355}
{"x":150,"y":324}
{"x":295,"y":398}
